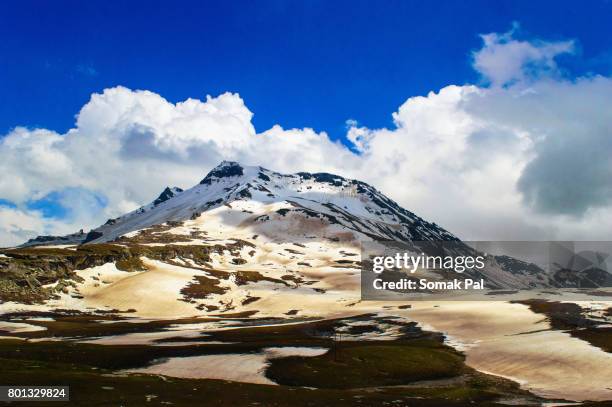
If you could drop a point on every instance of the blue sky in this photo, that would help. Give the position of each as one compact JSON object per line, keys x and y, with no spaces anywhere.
{"x":510,"y":91}
{"x":295,"y":63}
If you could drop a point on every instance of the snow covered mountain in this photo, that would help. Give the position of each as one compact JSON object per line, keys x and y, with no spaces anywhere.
{"x":342,"y":208}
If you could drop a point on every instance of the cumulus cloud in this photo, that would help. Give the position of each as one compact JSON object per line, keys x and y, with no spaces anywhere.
{"x":127,"y":145}
{"x":506,"y":60}
{"x":523,"y":158}
{"x":451,"y":165}
{"x":501,"y":163}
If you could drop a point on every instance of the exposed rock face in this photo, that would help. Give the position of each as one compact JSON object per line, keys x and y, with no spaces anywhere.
{"x":167,"y":194}
{"x":224,"y":170}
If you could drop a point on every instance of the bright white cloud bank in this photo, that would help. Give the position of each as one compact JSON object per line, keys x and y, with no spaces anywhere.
{"x":524,"y":158}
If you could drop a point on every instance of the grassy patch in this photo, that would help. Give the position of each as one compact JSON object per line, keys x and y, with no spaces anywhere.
{"x":562,"y":315}
{"x":201,"y":287}
{"x":244,"y":277}
{"x":570,"y":317}
{"x":600,"y":337}
{"x":369,"y":366}
{"x":130,"y":264}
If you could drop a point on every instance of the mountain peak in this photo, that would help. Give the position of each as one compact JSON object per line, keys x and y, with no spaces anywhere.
{"x":224,"y":170}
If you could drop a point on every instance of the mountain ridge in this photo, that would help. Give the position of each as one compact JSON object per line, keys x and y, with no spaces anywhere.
{"x":377,"y":217}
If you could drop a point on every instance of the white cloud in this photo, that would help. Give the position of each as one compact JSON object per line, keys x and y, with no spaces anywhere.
{"x":17,"y":226}
{"x":525,"y":158}
{"x":501,"y":163}
{"x":505,"y":60}
{"x":451,"y":166}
